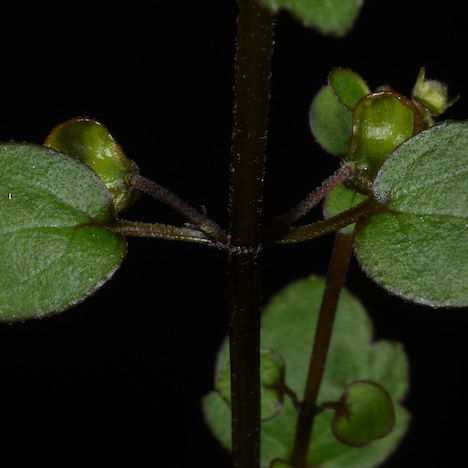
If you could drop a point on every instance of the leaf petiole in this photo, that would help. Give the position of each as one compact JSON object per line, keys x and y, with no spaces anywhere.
{"x":200,"y":221}
{"x":321,"y":228}
{"x":282,"y":222}
{"x":162,"y":231}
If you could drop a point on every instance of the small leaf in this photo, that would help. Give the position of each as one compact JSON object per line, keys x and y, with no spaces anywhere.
{"x":279,"y":464}
{"x":272,"y":371}
{"x":381,"y":122}
{"x":288,"y":325}
{"x":365,"y":413}
{"x":348,"y":86}
{"x":327,"y":16}
{"x":54,"y":252}
{"x":330,"y":122}
{"x":91,"y":142}
{"x":340,"y":199}
{"x":390,"y":366}
{"x":419,"y":249}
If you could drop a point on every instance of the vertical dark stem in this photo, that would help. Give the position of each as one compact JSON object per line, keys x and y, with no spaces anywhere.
{"x":337,"y":270}
{"x":252,"y":95}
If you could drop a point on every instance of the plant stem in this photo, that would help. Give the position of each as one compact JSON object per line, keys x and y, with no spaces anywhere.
{"x":337,"y":270}
{"x":201,"y":222}
{"x":281,"y":223}
{"x":162,"y":231}
{"x":252,"y":96}
{"x":327,"y":226}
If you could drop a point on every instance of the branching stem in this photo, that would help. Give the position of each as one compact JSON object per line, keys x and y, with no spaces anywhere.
{"x":199,"y":220}
{"x":327,"y":226}
{"x":283,"y":222}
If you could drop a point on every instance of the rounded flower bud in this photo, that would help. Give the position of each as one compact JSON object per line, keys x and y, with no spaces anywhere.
{"x":381,"y":122}
{"x":91,"y":142}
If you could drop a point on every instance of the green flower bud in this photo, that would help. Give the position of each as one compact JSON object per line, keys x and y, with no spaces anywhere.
{"x":364,"y":413}
{"x":431,"y":94}
{"x":91,"y":142}
{"x":381,"y":122}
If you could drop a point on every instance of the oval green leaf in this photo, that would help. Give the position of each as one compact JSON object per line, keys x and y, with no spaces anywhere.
{"x":364,"y":414}
{"x":91,"y":143}
{"x":288,"y":325}
{"x":272,"y":370}
{"x":327,"y":16}
{"x":330,"y":122}
{"x":348,"y":86}
{"x":340,"y":199}
{"x":419,"y":249}
{"x":54,"y":254}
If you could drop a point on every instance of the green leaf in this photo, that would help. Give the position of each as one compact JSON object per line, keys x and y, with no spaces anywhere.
{"x":279,"y":464}
{"x":364,"y":414}
{"x":327,"y":16}
{"x":91,"y":143}
{"x":288,"y":325}
{"x":381,"y":122}
{"x":389,"y":366}
{"x":54,"y":254}
{"x":340,"y":199}
{"x":330,"y":122}
{"x":419,"y":249}
{"x":272,"y":383}
{"x":348,"y":86}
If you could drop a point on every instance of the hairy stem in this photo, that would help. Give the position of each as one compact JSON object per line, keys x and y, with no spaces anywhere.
{"x":280,"y":224}
{"x":200,"y":221}
{"x":327,"y":226}
{"x":337,"y":270}
{"x":252,"y":96}
{"x":162,"y":231}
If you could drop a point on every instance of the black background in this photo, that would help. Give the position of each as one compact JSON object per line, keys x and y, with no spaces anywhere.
{"x":117,"y":381}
